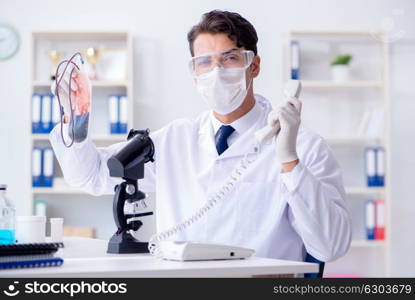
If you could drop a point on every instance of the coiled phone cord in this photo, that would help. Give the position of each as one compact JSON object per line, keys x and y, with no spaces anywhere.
{"x":154,"y":243}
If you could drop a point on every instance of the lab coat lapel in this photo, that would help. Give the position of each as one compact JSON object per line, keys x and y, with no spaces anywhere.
{"x":244,"y":144}
{"x":206,"y":138}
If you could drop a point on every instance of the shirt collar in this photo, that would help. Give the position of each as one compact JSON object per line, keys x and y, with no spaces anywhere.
{"x":240,"y":125}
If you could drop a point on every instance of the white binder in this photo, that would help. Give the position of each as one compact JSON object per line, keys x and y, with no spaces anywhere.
{"x":36,"y":111}
{"x":56,"y":112}
{"x":36,"y":166}
{"x":113,"y":113}
{"x":46,"y":113}
{"x":48,"y":161}
{"x":123,"y":114}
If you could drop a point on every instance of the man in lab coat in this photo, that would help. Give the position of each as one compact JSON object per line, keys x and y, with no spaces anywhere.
{"x":290,"y":200}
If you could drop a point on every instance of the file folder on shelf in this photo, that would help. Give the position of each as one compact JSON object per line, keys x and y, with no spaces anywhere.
{"x":370,"y":161}
{"x":36,"y":113}
{"x":375,"y":166}
{"x":295,"y":60}
{"x":118,"y":113}
{"x":123,"y":102}
{"x":113,"y":114}
{"x":370,"y":219}
{"x":36,"y":167}
{"x":42,"y":167}
{"x":380,"y":166}
{"x":380,"y":219}
{"x":48,"y":161}
{"x":46,"y":113}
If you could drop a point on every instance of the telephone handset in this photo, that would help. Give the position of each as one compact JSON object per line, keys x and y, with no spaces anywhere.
{"x":162,"y":248}
{"x":292,"y":90}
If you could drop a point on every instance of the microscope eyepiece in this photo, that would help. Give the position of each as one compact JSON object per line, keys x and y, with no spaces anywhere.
{"x":129,"y":161}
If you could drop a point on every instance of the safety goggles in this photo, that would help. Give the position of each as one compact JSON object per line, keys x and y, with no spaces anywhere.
{"x":229,"y":59}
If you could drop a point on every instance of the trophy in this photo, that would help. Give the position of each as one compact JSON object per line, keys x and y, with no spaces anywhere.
{"x":92,"y":56}
{"x":55,"y":58}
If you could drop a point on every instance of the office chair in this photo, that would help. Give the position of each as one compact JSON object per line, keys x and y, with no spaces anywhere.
{"x":311,"y":259}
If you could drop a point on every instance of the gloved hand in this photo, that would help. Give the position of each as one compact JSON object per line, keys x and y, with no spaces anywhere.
{"x":289,"y":118}
{"x":80,"y":93}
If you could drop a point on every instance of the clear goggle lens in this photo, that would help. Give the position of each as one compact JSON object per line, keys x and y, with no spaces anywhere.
{"x":230,"y":59}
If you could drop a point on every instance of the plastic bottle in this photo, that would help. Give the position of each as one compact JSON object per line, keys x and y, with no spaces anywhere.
{"x":7,"y":218}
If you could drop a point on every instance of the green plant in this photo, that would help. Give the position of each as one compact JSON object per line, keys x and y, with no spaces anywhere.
{"x":343,"y":59}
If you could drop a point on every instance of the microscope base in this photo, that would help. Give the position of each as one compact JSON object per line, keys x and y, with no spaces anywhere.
{"x":126,"y":243}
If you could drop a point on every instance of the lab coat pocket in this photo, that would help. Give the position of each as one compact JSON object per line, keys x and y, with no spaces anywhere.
{"x":257,"y":207}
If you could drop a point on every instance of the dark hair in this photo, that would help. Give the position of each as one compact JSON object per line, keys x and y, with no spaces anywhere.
{"x":233,"y":24}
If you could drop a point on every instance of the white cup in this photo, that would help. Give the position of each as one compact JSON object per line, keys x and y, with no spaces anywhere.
{"x":56,"y":229}
{"x":30,"y":229}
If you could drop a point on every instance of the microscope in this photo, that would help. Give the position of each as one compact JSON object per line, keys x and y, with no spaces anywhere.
{"x":128,"y":164}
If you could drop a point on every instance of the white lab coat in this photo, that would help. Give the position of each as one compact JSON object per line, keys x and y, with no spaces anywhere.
{"x":280,"y":215}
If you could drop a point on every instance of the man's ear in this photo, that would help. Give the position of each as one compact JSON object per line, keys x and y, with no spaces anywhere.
{"x":255,"y":66}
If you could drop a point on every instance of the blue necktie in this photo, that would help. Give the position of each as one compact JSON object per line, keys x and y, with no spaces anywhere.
{"x":224,"y":132}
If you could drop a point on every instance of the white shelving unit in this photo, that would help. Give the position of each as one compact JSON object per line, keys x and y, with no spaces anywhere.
{"x":365,"y":243}
{"x":98,"y":138}
{"x":376,"y":89}
{"x":333,"y":140}
{"x":350,"y":84}
{"x":70,"y":42}
{"x":96,"y":83}
{"x":59,"y":188}
{"x":370,"y":191}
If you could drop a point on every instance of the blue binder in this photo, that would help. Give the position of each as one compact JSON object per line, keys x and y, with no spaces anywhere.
{"x":380,"y":166}
{"x":370,"y":219}
{"x":36,"y":167}
{"x":295,"y":60}
{"x":370,"y":166}
{"x":375,"y":166}
{"x":47,"y":167}
{"x":30,"y":261}
{"x":36,"y":113}
{"x":56,"y":111}
{"x":46,"y":119}
{"x":113,"y":113}
{"x":123,"y":113}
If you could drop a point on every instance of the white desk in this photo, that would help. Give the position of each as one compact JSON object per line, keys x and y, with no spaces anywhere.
{"x":85,"y":257}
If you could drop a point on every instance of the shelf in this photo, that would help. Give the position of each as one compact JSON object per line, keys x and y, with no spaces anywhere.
{"x":367,"y":243}
{"x":65,"y":35}
{"x":96,"y":138}
{"x":336,"y":33}
{"x":61,"y":188}
{"x":353,"y":140}
{"x":346,"y":84}
{"x":373,"y":87}
{"x":57,"y":190}
{"x":357,"y":190}
{"x":97,"y":83}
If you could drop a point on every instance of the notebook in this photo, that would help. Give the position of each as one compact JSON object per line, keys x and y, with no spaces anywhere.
{"x":29,"y":255}
{"x":29,"y":249}
{"x":29,"y":261}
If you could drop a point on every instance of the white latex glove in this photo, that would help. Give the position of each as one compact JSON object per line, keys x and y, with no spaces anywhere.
{"x":289,"y":118}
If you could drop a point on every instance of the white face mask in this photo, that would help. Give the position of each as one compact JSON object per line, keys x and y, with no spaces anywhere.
{"x":224,"y":90}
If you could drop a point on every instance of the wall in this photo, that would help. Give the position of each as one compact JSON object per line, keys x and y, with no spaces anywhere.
{"x":164,"y":89}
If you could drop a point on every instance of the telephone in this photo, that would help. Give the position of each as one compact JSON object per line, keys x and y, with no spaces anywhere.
{"x":187,"y":251}
{"x":183,"y":251}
